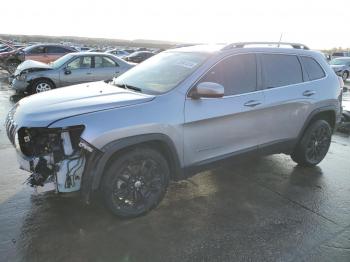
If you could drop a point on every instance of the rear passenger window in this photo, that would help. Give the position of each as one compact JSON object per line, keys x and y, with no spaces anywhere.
{"x":313,"y":69}
{"x":57,"y":50}
{"x":281,"y":70}
{"x":103,"y":61}
{"x":237,"y":74}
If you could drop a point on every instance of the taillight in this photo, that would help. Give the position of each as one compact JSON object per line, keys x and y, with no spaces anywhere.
{"x":340,"y":97}
{"x":341,"y":82}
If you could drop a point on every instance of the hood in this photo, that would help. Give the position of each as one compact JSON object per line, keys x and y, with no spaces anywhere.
{"x":31,"y":64}
{"x":42,"y":109}
{"x":337,"y":67}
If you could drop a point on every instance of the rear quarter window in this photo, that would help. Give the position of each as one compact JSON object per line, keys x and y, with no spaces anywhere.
{"x":312,"y":68}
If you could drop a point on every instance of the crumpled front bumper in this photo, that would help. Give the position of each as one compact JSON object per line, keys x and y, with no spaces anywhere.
{"x":19,"y":85}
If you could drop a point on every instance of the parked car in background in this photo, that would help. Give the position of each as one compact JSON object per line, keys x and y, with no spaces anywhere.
{"x":341,"y":66}
{"x":44,"y":53}
{"x":129,"y":50}
{"x":96,"y":50}
{"x":345,"y":123}
{"x":138,"y":56}
{"x":7,"y":51}
{"x":35,"y":77}
{"x":84,"y":49}
{"x":118,"y":53}
{"x":340,"y":54}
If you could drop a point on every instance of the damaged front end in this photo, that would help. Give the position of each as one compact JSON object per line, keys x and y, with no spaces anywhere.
{"x":51,"y":154}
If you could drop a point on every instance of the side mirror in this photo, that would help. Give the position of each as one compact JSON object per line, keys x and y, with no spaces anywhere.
{"x":67,"y":71}
{"x":208,"y":90}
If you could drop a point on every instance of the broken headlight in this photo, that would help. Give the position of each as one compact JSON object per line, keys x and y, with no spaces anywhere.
{"x":38,"y":141}
{"x":21,"y":77}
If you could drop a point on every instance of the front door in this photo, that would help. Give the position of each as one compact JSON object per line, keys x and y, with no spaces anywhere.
{"x":37,"y":53}
{"x":77,"y":71}
{"x":218,"y":127}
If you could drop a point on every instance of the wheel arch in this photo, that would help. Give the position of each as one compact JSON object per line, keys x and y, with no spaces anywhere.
{"x":32,"y":81}
{"x":100,"y":160}
{"x":327,"y":113}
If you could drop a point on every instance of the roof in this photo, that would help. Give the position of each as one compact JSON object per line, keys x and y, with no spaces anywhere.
{"x":91,"y":53}
{"x":200,"y":48}
{"x":252,"y":46}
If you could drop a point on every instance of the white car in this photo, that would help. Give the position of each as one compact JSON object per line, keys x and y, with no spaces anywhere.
{"x":118,"y":53}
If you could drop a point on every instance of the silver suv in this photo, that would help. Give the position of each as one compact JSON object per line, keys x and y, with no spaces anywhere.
{"x":178,"y":113}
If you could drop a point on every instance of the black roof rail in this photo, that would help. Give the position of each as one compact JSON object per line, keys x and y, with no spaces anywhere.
{"x":243,"y":44}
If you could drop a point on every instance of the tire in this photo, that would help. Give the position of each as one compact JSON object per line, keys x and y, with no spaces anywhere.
{"x":314,"y":145}
{"x":41,"y":85}
{"x":12,"y":65}
{"x":345,"y":75}
{"x":135,"y":182}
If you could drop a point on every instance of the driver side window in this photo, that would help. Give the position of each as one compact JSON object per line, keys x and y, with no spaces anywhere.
{"x":237,"y":74}
{"x":80,"y":63}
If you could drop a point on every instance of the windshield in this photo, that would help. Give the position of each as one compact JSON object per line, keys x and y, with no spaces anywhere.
{"x":161,"y":72}
{"x":61,"y":61}
{"x":339,"y":61}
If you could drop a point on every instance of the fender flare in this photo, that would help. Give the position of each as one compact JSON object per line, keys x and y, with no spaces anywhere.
{"x":98,"y":159}
{"x":313,"y":114}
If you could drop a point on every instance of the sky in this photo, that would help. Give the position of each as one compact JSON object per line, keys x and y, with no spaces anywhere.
{"x":321,"y":24}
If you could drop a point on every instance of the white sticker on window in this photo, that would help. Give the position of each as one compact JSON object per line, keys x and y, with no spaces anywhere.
{"x":186,"y":63}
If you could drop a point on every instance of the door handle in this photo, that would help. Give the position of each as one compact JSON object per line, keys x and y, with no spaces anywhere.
{"x":252,"y":103}
{"x":117,"y":72}
{"x":309,"y":93}
{"x":88,"y":73}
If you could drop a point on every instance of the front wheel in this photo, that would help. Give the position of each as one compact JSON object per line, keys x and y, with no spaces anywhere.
{"x":314,"y":144}
{"x":41,"y":85}
{"x":135,"y":182}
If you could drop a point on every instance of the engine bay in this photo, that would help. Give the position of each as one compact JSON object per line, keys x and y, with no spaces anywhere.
{"x":54,"y":155}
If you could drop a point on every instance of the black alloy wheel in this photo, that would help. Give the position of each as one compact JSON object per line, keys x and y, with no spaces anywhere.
{"x":314,"y":145}
{"x":136,"y":182}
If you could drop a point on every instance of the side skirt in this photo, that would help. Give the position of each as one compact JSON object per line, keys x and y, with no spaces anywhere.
{"x":277,"y":147}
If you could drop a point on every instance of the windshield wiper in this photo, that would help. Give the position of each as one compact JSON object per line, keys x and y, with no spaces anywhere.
{"x":125,"y":86}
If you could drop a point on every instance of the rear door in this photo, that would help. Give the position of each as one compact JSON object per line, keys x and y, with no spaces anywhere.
{"x":105,"y":68}
{"x":287,"y":101}
{"x":78,"y":70}
{"x":217,"y":127}
{"x":55,"y":52}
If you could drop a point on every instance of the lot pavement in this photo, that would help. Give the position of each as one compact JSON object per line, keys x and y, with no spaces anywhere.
{"x":261,"y":209}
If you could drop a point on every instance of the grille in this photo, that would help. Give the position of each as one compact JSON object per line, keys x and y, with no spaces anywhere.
{"x":11,"y":127}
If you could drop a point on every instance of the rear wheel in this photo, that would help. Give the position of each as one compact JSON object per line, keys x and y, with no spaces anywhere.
{"x":314,"y":145}
{"x":135,"y":182}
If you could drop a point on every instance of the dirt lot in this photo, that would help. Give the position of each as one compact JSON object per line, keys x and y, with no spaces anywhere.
{"x":261,"y":209}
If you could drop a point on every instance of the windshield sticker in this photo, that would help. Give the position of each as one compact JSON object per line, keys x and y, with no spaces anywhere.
{"x":186,"y":63}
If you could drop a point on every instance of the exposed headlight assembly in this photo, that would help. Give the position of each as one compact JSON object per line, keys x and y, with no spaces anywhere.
{"x":21,"y":77}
